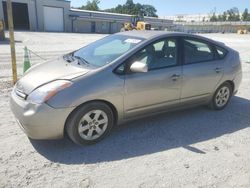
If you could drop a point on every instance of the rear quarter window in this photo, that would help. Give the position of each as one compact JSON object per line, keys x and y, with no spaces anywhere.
{"x":221,"y":52}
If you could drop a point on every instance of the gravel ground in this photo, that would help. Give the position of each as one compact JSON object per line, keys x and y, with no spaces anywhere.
{"x":191,"y":148}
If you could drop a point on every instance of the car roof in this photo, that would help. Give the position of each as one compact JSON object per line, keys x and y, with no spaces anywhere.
{"x":149,"y":34}
{"x":144,"y":34}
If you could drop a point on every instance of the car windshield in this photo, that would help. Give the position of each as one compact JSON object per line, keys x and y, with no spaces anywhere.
{"x":106,"y":50}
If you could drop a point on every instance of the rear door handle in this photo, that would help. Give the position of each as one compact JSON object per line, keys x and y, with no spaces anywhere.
{"x":217,"y":70}
{"x":175,"y":77}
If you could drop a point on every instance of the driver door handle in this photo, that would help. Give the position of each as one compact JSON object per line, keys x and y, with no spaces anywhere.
{"x":175,"y":77}
{"x":217,"y":70}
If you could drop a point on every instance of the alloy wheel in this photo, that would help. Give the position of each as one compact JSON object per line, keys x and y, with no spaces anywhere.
{"x":222,"y":96}
{"x":93,"y":124}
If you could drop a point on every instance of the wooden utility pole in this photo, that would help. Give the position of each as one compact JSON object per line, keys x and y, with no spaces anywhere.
{"x":12,"y":41}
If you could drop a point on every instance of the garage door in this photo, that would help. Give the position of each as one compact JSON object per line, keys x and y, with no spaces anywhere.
{"x":53,"y":19}
{"x":20,"y":16}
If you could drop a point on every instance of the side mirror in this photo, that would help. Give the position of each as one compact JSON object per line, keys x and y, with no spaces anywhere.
{"x":139,"y":67}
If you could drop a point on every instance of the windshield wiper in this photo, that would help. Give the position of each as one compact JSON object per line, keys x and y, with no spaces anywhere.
{"x":81,"y":59}
{"x":68,"y":57}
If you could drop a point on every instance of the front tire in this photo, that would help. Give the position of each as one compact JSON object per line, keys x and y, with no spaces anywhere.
{"x":90,"y":123}
{"x":221,"y":97}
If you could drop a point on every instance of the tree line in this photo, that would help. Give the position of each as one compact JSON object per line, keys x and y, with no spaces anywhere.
{"x":232,"y":14}
{"x":138,"y":9}
{"x":128,"y":8}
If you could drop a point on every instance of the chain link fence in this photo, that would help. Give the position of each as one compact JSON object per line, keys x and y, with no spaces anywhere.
{"x":211,"y":27}
{"x":6,"y":67}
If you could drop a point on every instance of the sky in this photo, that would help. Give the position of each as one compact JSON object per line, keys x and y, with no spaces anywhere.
{"x":174,"y":7}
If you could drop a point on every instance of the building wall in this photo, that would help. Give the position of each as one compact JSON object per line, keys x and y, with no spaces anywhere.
{"x":159,"y":23}
{"x":103,"y":27}
{"x":36,"y":16}
{"x":111,"y":22}
{"x":1,"y":11}
{"x":31,"y":10}
{"x":115,"y":27}
{"x":55,"y":3}
{"x":81,"y":26}
{"x":104,"y":22}
{"x":83,"y":21}
{"x":84,"y":26}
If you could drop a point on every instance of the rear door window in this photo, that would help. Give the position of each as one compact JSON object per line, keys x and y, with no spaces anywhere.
{"x":196,"y":51}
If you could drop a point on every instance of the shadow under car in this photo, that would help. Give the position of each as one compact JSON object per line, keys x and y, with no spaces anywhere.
{"x":154,"y":134}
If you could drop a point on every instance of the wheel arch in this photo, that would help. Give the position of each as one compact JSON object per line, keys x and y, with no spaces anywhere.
{"x":211,"y":101}
{"x":113,"y":108}
{"x":231,"y":83}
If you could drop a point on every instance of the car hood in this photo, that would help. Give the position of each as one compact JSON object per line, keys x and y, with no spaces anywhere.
{"x":46,"y":72}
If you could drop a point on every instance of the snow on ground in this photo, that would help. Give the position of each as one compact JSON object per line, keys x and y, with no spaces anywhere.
{"x":191,"y":148}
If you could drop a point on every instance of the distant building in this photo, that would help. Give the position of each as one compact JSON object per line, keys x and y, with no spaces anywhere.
{"x":204,"y":17}
{"x":38,"y":15}
{"x":58,"y":16}
{"x":189,"y":17}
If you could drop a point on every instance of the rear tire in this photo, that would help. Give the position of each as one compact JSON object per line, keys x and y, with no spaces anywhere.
{"x":221,"y":97}
{"x":90,"y":123}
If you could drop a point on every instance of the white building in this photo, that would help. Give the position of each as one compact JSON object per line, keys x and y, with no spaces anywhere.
{"x":57,"y":15}
{"x":189,"y":17}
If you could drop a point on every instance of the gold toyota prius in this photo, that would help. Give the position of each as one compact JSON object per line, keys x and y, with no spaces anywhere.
{"x":123,"y":77}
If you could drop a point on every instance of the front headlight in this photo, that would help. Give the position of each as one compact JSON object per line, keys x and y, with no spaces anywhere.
{"x":45,"y":92}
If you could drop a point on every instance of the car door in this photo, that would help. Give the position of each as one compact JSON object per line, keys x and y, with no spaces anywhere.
{"x":158,"y":88}
{"x":201,"y":70}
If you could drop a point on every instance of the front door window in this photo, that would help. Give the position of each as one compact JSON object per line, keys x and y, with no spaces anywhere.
{"x":158,"y":55}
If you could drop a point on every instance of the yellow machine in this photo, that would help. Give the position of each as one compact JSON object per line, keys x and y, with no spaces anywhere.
{"x":242,"y":30}
{"x":128,"y":26}
{"x":140,"y":25}
{"x":143,"y":26}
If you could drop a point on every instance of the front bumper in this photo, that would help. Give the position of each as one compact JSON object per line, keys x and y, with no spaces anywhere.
{"x":39,"y":121}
